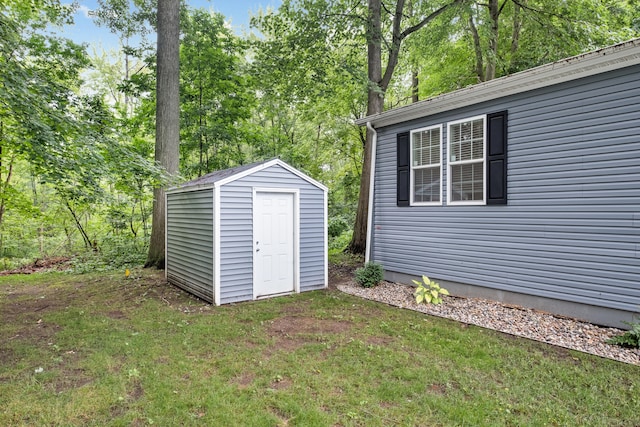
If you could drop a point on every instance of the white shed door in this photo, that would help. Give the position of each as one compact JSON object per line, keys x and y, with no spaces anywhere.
{"x":274,"y":253}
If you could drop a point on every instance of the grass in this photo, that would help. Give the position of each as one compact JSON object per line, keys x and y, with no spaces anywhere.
{"x":116,"y":351}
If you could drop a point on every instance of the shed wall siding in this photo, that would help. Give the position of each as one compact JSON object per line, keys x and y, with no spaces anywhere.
{"x":571,"y":228}
{"x":236,"y":232}
{"x":190,"y":242}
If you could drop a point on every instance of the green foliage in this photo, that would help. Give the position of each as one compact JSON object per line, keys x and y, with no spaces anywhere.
{"x":216,"y":96}
{"x":340,"y":242}
{"x":428,"y":291}
{"x":115,"y":253}
{"x":337,"y":226}
{"x":629,"y":339}
{"x":370,"y":275}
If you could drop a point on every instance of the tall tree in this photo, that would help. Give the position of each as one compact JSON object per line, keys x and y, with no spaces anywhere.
{"x":321,"y":33}
{"x":494,"y":38}
{"x":379,"y":82}
{"x":167,"y":150}
{"x":215,"y":92}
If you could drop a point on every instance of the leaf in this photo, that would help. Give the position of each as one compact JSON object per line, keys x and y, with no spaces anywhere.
{"x":443,"y":291}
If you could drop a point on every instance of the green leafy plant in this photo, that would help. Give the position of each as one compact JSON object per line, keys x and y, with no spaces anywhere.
{"x":630,"y":339}
{"x":369,"y":275}
{"x":429,"y":291}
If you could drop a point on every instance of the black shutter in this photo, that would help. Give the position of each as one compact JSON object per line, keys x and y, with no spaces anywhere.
{"x":497,"y":158}
{"x":403,"y":178}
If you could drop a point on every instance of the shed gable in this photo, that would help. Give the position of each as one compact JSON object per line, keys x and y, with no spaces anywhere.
{"x":236,"y":231}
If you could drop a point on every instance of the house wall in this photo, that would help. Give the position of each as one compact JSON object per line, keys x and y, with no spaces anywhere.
{"x":190,"y":231}
{"x":571,"y":229}
{"x":236,"y":232}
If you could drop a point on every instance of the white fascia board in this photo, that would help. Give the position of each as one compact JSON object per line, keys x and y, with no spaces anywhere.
{"x":372,"y":180}
{"x":244,"y":173}
{"x":588,"y":64}
{"x":247,"y":172}
{"x":266,"y":165}
{"x":216,"y":247}
{"x":302,"y":175}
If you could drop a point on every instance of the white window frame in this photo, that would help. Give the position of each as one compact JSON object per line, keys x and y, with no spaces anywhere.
{"x":412,"y":167}
{"x":484,"y":162}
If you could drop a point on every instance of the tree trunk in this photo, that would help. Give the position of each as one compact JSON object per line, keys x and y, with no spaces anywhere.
{"x":378,"y":84}
{"x":515,"y":35}
{"x":492,"y":53}
{"x":477,"y":48}
{"x":167,"y":118}
{"x":415,"y":86}
{"x":375,"y":102}
{"x":83,"y":232}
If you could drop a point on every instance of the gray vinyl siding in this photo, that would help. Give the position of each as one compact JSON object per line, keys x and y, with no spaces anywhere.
{"x":571,"y":228}
{"x":190,"y":242}
{"x":236,"y":232}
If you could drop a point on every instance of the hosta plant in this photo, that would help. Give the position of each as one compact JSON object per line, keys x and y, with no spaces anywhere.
{"x":428,"y":291}
{"x":630,"y":339}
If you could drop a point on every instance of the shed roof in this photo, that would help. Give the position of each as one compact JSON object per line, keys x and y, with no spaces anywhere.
{"x":221,"y":177}
{"x":216,"y":176}
{"x":599,"y":61}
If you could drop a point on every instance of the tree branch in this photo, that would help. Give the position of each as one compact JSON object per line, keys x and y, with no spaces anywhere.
{"x":398,"y":37}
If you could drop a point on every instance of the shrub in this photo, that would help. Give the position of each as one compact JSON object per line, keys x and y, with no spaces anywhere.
{"x":369,"y":275}
{"x":337,"y":226}
{"x":340,"y":242}
{"x":630,"y":339}
{"x":429,"y":291}
{"x":116,"y":252}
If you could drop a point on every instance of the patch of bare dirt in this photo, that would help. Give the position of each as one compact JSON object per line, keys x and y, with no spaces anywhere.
{"x":442,"y":389}
{"x":281,"y":384}
{"x":439,"y":389}
{"x":243,"y":381}
{"x":299,"y":325}
{"x":7,"y":357}
{"x":28,"y":307}
{"x":116,"y":314}
{"x":283,"y":420}
{"x":292,"y":332}
{"x":341,"y":274}
{"x":137,"y":392}
{"x":40,"y":265}
{"x":71,"y":379}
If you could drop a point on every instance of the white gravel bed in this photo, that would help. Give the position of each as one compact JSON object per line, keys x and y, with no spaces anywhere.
{"x":515,"y":320}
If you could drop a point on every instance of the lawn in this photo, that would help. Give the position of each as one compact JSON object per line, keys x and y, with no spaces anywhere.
{"x":102,"y":349}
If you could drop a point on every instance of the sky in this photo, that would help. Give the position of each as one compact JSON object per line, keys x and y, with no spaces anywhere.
{"x":237,"y":13}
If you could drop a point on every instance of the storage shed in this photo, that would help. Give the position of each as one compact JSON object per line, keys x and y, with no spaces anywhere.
{"x":249,"y":232}
{"x":523,"y":189}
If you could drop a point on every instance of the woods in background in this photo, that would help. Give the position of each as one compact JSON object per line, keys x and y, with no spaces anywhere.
{"x":77,"y":130}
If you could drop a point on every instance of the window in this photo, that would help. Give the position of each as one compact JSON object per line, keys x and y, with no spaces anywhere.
{"x":476,"y":163}
{"x":426,"y":165}
{"x":466,"y":161}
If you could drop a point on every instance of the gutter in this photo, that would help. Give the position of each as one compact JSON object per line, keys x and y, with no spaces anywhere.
{"x":372,"y":175}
